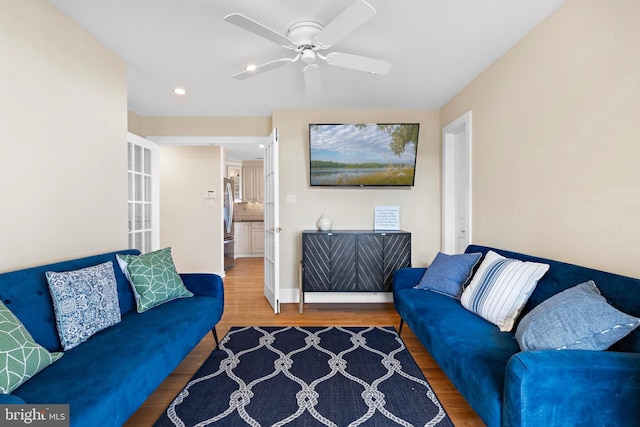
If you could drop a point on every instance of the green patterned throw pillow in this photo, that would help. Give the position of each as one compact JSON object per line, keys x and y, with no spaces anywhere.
{"x":20,"y":356}
{"x":153,"y":277}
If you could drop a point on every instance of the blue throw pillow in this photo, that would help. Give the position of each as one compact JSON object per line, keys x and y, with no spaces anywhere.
{"x":448,"y":274}
{"x":85,"y":302}
{"x":578,"y":318}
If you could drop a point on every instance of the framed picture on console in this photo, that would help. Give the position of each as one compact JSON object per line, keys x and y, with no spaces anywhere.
{"x":386,"y":218}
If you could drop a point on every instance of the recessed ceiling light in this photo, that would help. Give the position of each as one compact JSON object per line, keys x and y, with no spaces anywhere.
{"x":251,"y":67}
{"x":261,"y":146}
{"x":180,"y":91}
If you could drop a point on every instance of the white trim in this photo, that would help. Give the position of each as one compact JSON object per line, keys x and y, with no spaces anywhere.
{"x":448,"y":181}
{"x":291,"y":295}
{"x":347,"y":297}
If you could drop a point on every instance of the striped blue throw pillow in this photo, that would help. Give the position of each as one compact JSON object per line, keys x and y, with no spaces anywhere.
{"x":500,"y":289}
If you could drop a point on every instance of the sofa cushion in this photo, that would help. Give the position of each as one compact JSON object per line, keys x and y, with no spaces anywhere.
{"x":20,"y":356}
{"x":26,"y":293}
{"x":579,"y":318}
{"x":471,"y":351}
{"x":153,"y":277}
{"x":85,"y":301}
{"x":500,"y":288}
{"x":448,"y":274}
{"x":110,"y":375}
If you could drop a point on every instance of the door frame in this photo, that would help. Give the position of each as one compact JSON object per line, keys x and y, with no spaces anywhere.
{"x":211,"y":141}
{"x":449,"y":185}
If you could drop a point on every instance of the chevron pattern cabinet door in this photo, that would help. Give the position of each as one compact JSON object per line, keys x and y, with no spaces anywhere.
{"x":370,"y":262}
{"x":343,"y":262}
{"x":316,"y":262}
{"x":397,"y":254}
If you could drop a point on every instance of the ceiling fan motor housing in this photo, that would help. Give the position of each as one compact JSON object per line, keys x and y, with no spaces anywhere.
{"x":304,"y":33}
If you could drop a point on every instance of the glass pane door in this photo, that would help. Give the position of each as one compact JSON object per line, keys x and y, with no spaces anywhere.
{"x":143,"y":198}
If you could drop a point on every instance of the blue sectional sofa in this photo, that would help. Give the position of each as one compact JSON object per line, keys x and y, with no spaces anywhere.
{"x":509,"y":387}
{"x":106,"y":378}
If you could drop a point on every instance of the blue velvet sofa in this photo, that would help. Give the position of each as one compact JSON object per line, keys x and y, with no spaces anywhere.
{"x":509,"y":387}
{"x":106,"y":378}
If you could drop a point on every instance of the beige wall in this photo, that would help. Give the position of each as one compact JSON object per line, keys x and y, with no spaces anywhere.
{"x":134,"y":123}
{"x":348,"y":208}
{"x":63,"y":123}
{"x":192,"y":229}
{"x":556,"y":134}
{"x":352,"y":208}
{"x":200,"y":126}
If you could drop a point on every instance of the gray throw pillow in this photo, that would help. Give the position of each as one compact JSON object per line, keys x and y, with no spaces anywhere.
{"x":579,"y":318}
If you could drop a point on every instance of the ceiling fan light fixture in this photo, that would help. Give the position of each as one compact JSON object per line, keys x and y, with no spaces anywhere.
{"x":308,"y":56}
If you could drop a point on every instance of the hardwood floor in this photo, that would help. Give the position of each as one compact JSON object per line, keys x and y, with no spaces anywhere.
{"x":245,"y":305}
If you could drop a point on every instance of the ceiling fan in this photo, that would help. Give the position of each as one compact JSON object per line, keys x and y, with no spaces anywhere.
{"x":308,"y":38}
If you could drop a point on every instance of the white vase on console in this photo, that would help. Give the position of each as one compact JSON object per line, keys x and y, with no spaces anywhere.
{"x":324,"y":223}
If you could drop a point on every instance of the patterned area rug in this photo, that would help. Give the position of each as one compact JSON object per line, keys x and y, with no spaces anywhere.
{"x":312,"y":376}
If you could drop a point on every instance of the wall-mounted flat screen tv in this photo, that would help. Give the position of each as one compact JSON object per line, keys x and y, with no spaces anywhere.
{"x":361,"y":155}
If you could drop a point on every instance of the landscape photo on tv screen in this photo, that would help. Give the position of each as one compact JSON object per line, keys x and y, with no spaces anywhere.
{"x":363,"y":154}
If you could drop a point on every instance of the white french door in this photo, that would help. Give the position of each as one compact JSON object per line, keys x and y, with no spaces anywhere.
{"x":143,"y":199}
{"x":272,"y":223}
{"x":456,"y":185}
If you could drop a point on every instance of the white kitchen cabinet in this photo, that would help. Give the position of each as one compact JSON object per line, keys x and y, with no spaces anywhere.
{"x":249,"y":237}
{"x":257,"y":238}
{"x":252,"y":184}
{"x":242,"y":239}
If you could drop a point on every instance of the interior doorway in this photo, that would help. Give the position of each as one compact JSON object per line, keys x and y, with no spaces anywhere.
{"x":207,"y":226}
{"x":456,"y":185}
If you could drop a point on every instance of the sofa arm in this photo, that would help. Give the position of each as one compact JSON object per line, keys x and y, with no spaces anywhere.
{"x":404,"y":278}
{"x":571,"y":387}
{"x":10,"y":399}
{"x":204,"y":284}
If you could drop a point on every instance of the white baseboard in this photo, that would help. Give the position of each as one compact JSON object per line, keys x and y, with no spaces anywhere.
{"x":290,"y":295}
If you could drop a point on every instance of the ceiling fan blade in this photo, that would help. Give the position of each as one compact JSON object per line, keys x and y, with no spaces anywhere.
{"x":263,"y":68}
{"x":356,"y":14}
{"x":312,"y":79}
{"x":360,"y":63}
{"x":259,"y":29}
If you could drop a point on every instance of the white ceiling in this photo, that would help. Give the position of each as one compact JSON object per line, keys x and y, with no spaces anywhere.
{"x":436,"y":46}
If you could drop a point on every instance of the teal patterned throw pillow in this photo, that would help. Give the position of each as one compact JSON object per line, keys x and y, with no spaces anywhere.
{"x":153,"y":277}
{"x":85,"y":302}
{"x":20,"y":356}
